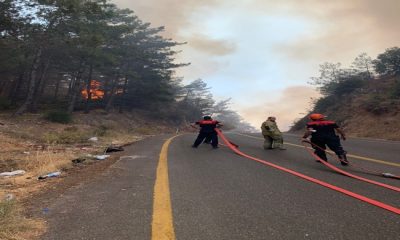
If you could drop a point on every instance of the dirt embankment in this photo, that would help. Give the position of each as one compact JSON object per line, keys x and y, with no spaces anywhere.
{"x":372,"y":111}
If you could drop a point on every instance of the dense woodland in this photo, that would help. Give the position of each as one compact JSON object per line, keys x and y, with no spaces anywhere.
{"x":369,"y":86}
{"x":80,"y":55}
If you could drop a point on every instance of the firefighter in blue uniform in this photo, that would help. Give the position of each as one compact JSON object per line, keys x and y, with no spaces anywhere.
{"x":323,"y":133}
{"x":207,"y":131}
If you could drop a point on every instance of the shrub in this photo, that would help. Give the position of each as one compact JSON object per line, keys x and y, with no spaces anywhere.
{"x":324,"y":103}
{"x":395,"y":92}
{"x":58,"y":117}
{"x":376,"y":105}
{"x":5,"y":104}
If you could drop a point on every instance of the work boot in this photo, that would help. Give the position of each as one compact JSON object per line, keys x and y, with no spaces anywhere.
{"x":282,"y":148}
{"x":343,"y":159}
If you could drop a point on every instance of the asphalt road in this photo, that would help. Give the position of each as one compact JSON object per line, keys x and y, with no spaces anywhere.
{"x":217,"y":194}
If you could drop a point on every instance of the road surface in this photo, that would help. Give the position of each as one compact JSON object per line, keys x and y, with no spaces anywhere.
{"x":217,"y":194}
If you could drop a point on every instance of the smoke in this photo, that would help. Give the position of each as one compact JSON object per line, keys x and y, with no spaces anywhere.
{"x":173,"y":14}
{"x":292,"y":103}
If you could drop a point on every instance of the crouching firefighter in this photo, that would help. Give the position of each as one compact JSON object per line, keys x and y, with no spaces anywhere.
{"x":272,"y":135}
{"x":323,"y":132}
{"x":207,"y":131}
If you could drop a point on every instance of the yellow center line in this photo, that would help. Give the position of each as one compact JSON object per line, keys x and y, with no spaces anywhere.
{"x":349,"y":155}
{"x":162,"y":227}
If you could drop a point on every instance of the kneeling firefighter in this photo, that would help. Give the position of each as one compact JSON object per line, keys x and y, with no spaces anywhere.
{"x":207,"y":131}
{"x":323,"y":132}
{"x":272,"y":135}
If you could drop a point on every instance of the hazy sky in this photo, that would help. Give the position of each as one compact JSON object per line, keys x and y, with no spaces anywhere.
{"x":262,"y":53}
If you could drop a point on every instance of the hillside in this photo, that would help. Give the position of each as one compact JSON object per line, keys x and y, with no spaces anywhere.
{"x":370,"y":109}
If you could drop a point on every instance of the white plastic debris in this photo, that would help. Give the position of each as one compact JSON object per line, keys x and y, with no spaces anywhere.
{"x":94,"y":139}
{"x":13,"y":173}
{"x":49,"y":175}
{"x":9,"y":197}
{"x":101,"y":157}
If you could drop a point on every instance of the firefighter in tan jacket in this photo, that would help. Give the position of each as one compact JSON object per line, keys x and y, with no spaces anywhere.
{"x":272,"y":135}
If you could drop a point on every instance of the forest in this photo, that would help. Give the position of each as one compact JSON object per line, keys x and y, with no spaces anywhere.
{"x":72,"y":55}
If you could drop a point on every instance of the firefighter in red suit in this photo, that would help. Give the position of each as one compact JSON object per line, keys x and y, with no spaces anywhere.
{"x":323,"y":133}
{"x":207,"y":131}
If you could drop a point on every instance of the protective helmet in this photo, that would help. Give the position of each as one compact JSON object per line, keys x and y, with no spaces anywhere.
{"x":207,"y":117}
{"x":316,"y":116}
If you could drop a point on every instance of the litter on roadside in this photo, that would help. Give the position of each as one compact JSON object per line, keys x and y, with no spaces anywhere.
{"x":101,"y":157}
{"x":94,"y":139}
{"x":13,"y":173}
{"x":114,"y":149}
{"x":49,"y":175}
{"x":79,"y":160}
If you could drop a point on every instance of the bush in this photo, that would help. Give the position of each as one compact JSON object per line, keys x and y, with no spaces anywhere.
{"x":58,"y":117}
{"x":5,"y":104}
{"x":348,"y":86}
{"x":324,"y":103}
{"x":376,"y":105}
{"x":395,"y":92}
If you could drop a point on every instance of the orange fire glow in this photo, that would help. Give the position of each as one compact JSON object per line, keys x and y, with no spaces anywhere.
{"x":95,"y":91}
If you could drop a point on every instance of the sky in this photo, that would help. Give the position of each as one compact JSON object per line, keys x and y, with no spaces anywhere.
{"x":262,"y":53}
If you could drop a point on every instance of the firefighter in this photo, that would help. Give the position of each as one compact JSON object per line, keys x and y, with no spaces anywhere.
{"x":207,"y":131}
{"x":272,"y":136}
{"x":324,"y":133}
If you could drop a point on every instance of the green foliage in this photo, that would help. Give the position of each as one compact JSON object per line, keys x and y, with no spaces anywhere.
{"x":363,"y":64}
{"x":338,"y":85}
{"x":348,"y":86}
{"x":299,"y":125}
{"x":58,"y":116}
{"x":324,"y":103}
{"x":395,"y":92}
{"x":5,"y":104}
{"x":388,"y":63}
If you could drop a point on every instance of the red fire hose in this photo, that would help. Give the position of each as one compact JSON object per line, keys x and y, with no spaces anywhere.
{"x":347,"y":173}
{"x":314,"y":180}
{"x":356,"y":166}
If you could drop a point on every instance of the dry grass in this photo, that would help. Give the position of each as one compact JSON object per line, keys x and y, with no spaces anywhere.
{"x":14,"y":226}
{"x":39,"y":147}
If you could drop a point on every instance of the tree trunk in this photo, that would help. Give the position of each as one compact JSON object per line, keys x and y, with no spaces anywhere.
{"x":75,"y":90}
{"x":123,"y":94}
{"x":15,"y":88}
{"x":55,"y":97}
{"x":32,"y":85}
{"x":40,"y":86}
{"x":88,"y":89}
{"x":111,"y":98}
